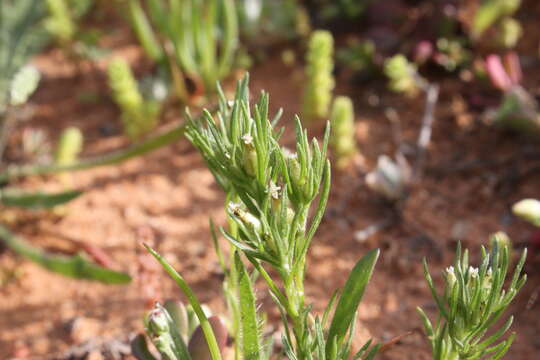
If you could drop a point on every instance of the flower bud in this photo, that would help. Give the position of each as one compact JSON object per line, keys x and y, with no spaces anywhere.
{"x":528,"y":209}
{"x":158,"y":321}
{"x":248,"y":219}
{"x":250,"y":155}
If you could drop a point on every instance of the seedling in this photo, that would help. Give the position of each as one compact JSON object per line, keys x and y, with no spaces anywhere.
{"x":319,"y":79}
{"x":474,"y":299}
{"x":139,"y":116}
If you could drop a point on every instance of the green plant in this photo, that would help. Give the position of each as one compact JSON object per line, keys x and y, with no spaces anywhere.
{"x":509,"y":32}
{"x":473,"y":301}
{"x":59,"y":22}
{"x":358,"y":56}
{"x":343,"y":140}
{"x":20,"y":37}
{"x":195,"y":40}
{"x":139,"y":116}
{"x":491,"y":12}
{"x":270,"y":193}
{"x":319,"y":78}
{"x":69,"y":146}
{"x":403,"y":75}
{"x":519,"y":110}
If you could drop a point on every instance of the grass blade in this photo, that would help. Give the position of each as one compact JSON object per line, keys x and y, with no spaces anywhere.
{"x":36,"y":201}
{"x":72,"y":266}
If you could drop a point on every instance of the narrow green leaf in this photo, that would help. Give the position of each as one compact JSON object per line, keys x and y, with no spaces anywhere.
{"x":350,"y":298}
{"x":144,"y":31}
{"x":72,"y":266}
{"x":153,"y":143}
{"x":36,"y":201}
{"x":248,"y":311}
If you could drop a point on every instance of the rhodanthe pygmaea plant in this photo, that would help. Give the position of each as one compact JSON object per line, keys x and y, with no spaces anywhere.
{"x":473,"y":300}
{"x":271,"y":192}
{"x":319,"y":78}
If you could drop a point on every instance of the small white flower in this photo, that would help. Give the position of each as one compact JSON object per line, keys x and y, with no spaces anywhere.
{"x":450,"y":270}
{"x":274,"y":190}
{"x":230,"y":103}
{"x":489,"y":272}
{"x":234,"y":207}
{"x":473,"y":272}
{"x":247,"y":139}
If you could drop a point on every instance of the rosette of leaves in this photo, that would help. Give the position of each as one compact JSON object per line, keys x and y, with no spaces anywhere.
{"x":270,"y":193}
{"x":343,"y":140}
{"x":139,"y":116}
{"x":194,"y":40}
{"x":473,"y":300}
{"x":319,"y":78}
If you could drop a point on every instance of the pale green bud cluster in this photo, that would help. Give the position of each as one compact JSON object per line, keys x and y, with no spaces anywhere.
{"x":402,"y":75}
{"x":138,"y":116}
{"x":509,"y":32}
{"x":69,"y":146}
{"x":319,"y":79}
{"x":60,"y":22}
{"x":342,"y":140}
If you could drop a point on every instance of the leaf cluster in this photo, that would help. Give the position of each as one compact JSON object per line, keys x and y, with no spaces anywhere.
{"x":473,"y":301}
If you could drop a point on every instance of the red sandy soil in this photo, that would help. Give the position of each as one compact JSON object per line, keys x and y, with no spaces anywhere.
{"x":166,"y":198}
